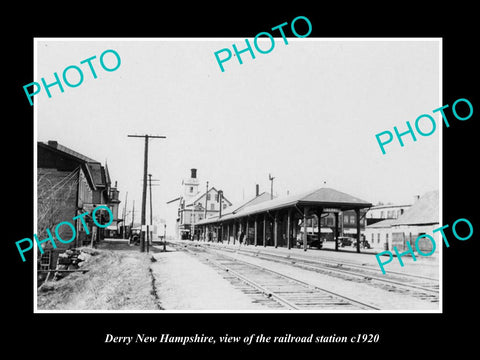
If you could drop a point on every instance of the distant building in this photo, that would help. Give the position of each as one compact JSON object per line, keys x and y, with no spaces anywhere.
{"x":212,"y":232}
{"x":389,"y":211}
{"x":379,"y":234}
{"x":69,"y":184}
{"x":278,"y":222}
{"x":194,"y":205}
{"x":422,"y":217}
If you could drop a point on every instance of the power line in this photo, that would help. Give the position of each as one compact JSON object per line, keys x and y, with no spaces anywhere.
{"x":144,"y":193}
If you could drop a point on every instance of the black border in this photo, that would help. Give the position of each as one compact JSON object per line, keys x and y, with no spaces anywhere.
{"x":399,"y":332}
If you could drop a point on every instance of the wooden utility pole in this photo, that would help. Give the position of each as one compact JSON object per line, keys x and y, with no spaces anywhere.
{"x":144,"y":193}
{"x":206,"y":202}
{"x":165,"y":237}
{"x":151,"y":212}
{"x":124,"y":215}
{"x":133,"y":214}
{"x":192,"y":235}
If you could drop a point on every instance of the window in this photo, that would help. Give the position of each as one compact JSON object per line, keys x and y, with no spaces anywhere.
{"x":381,"y":214}
{"x":45,"y":260}
{"x":216,"y":197}
{"x":208,"y":196}
{"x":378,"y":238}
{"x":212,"y":206}
{"x":191,"y":189}
{"x":373,"y":237}
{"x":329,"y":221}
{"x":386,"y":238}
{"x":352,"y":219}
{"x":224,"y":206}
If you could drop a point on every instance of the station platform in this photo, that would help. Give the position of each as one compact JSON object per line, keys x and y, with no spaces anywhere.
{"x":423,"y":266}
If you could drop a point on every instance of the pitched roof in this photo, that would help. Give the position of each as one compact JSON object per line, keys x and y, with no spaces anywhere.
{"x":382,"y":224}
{"x":386,"y":206}
{"x":201,"y":195}
{"x":326,"y":197}
{"x":424,"y":211}
{"x":66,"y":153}
{"x":98,"y":173}
{"x":69,"y":151}
{"x":265,"y":196}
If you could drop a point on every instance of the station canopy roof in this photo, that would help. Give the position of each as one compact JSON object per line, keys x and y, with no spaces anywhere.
{"x":326,"y":198}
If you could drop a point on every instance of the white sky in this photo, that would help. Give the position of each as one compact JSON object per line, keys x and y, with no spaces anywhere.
{"x":307,"y":112}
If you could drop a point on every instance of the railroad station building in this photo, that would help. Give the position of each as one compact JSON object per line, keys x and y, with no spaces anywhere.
{"x":278,"y":222}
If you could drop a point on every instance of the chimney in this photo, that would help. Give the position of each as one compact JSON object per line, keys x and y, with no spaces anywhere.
{"x":257,"y":190}
{"x":193,"y":173}
{"x":52,"y":143}
{"x":115,"y":184}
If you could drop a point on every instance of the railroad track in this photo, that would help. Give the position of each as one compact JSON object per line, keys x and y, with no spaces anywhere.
{"x":277,"y":290}
{"x":422,"y":287}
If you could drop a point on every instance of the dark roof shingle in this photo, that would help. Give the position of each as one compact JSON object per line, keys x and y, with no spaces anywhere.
{"x":326,"y":197}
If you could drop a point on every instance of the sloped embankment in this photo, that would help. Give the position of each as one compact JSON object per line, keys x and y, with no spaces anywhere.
{"x":116,"y":280}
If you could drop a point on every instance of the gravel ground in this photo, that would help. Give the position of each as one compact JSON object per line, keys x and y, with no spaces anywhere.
{"x":425,"y":266}
{"x":116,"y":280}
{"x":122,"y":278}
{"x":184,"y":283}
{"x":385,"y":300}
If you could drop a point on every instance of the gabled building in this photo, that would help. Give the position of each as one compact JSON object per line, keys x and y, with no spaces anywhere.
{"x":211,"y":233}
{"x":382,"y":212}
{"x":278,"y":221}
{"x":194,"y":205}
{"x":422,"y":217}
{"x":69,"y":184}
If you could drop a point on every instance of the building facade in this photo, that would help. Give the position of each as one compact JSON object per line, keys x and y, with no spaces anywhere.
{"x":422,"y":217}
{"x":347,"y":225}
{"x":195,"y":205}
{"x":278,"y":222}
{"x":69,"y":184}
{"x":383,"y":212}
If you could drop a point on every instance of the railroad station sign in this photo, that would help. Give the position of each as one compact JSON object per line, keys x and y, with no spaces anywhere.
{"x":331,"y":210}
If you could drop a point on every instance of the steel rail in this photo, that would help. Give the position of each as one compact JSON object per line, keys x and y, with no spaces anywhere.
{"x":273,"y":294}
{"x":310,"y":286}
{"x":317,"y":266}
